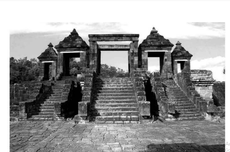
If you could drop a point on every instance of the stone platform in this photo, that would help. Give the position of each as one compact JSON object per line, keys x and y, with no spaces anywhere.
{"x":65,"y":136}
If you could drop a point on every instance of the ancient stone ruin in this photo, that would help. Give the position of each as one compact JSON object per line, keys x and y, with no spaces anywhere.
{"x":173,"y":93}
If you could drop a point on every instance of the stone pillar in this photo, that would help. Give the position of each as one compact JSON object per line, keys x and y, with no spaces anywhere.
{"x":174,"y":67}
{"x":144,"y":60}
{"x":83,"y":59}
{"x":60,"y":63}
{"x":54,"y":69}
{"x":41,"y":72}
{"x":167,"y":67}
{"x":134,"y":49}
{"x":93,"y":55}
{"x":98,"y":61}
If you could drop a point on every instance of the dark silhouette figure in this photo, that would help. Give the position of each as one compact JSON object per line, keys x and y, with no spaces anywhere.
{"x":70,"y":107}
{"x":150,"y":96}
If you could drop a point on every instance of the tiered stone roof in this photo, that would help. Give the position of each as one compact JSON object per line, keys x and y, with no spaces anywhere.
{"x":72,"y":42}
{"x":179,"y":51}
{"x":155,"y":40}
{"x":49,"y":54}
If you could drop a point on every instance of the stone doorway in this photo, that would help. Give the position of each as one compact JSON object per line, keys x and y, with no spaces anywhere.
{"x":66,"y":62}
{"x":159,"y":55}
{"x":95,"y":49}
{"x":47,"y":70}
{"x":109,"y":57}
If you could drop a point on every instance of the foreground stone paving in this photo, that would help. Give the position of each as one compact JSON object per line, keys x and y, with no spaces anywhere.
{"x":179,"y":136}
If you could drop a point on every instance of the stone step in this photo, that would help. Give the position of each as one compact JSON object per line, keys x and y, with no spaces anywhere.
{"x":116,"y":94}
{"x":118,"y":118}
{"x":116,"y":104}
{"x":40,"y":119}
{"x":115,"y":101}
{"x":194,"y":111}
{"x":191,"y":118}
{"x":47,"y":109}
{"x":43,"y":116}
{"x":115,"y":97}
{"x":114,"y":109}
{"x":116,"y":88}
{"x":113,"y":82}
{"x":184,"y":106}
{"x":118,"y":113}
{"x":117,"y":91}
{"x":189,"y":115}
{"x":46,"y":113}
{"x":117,"y":85}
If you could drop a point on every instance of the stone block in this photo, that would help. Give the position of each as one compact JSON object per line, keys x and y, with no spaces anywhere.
{"x":140,"y":93}
{"x":57,"y":108}
{"x":203,"y":106}
{"x":171,"y":108}
{"x":22,"y":111}
{"x":141,"y":98}
{"x":163,"y":109}
{"x":83,"y":108}
{"x":86,"y":98}
{"x":144,"y":107}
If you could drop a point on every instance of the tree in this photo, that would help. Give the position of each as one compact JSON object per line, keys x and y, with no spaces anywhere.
{"x":23,"y":70}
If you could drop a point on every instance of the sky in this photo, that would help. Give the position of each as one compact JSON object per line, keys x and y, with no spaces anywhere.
{"x":27,"y":27}
{"x":205,"y":40}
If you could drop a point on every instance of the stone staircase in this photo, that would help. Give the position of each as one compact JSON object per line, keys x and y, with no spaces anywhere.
{"x":60,"y":94}
{"x":115,"y":101}
{"x":185,"y":109}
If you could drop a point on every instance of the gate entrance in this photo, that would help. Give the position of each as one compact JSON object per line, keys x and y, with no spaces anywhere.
{"x":117,"y":59}
{"x":95,"y":48}
{"x":66,"y":62}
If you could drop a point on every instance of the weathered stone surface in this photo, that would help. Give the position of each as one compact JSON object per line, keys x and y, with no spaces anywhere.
{"x":83,"y":108}
{"x":179,"y":52}
{"x":219,"y":93}
{"x":155,"y":40}
{"x":144,"y":107}
{"x":113,"y":37}
{"x":68,"y":136}
{"x":49,"y":54}
{"x":73,"y":41}
{"x":202,"y":76}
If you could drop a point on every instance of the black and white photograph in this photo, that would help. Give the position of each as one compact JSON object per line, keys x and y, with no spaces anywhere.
{"x":115,"y":76}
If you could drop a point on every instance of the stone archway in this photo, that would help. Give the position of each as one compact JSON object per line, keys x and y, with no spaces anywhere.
{"x":95,"y":49}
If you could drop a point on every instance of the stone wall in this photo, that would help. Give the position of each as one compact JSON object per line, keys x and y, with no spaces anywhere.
{"x":24,"y":91}
{"x":219,"y":93}
{"x":202,"y":80}
{"x":138,"y":80}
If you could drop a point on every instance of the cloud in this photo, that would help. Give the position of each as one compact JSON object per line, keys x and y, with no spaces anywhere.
{"x":216,"y":65}
{"x":179,"y":30}
{"x":153,"y":68}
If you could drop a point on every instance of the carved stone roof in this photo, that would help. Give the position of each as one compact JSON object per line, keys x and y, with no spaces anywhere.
{"x":72,"y":42}
{"x":155,"y":40}
{"x":49,"y":54}
{"x":179,"y":51}
{"x":200,"y":76}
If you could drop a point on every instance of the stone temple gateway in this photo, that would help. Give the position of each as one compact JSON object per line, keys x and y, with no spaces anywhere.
{"x":175,"y":92}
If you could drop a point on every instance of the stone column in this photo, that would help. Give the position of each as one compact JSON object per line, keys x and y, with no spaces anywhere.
{"x":41,"y":72}
{"x":174,"y":67}
{"x":60,"y":63}
{"x":54,"y":71}
{"x":131,"y":60}
{"x":134,"y":47}
{"x":93,"y":55}
{"x":144,"y":60}
{"x":167,"y":67}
